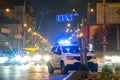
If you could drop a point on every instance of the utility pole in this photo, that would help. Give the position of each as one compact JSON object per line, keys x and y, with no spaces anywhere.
{"x":24,"y":12}
{"x":118,"y":38}
{"x":88,"y":22}
{"x":104,"y":25}
{"x":24,"y":25}
{"x":82,"y":45}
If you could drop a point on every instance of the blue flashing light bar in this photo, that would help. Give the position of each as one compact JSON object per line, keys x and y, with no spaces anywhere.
{"x":64,"y":42}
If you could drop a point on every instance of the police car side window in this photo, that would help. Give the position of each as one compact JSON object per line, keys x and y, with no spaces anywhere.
{"x":58,"y":51}
{"x":53,"y":50}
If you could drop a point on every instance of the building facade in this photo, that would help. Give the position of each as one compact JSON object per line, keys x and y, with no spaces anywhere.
{"x":12,"y":27}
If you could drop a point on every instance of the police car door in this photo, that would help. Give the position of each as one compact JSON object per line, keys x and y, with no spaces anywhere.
{"x":57,"y":56}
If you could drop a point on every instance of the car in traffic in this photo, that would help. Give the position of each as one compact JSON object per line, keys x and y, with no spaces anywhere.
{"x":4,"y":59}
{"x":40,"y":59}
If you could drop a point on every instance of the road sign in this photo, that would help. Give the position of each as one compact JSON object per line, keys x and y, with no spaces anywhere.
{"x":65,"y":17}
{"x":18,"y":36}
{"x":104,"y":43}
{"x":5,"y":30}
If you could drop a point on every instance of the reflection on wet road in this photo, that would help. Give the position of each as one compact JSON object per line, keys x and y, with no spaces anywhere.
{"x":27,"y":72}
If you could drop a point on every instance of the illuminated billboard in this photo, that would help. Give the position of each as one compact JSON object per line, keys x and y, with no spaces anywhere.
{"x":112,"y":13}
{"x":65,"y":17}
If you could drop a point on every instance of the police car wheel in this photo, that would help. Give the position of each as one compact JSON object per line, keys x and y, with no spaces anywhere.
{"x":63,"y":68}
{"x":50,"y":69}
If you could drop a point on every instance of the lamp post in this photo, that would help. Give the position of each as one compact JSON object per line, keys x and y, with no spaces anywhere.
{"x":82,"y":44}
{"x":88,"y":22}
{"x":24,"y":35}
{"x":89,"y":11}
{"x":104,"y":23}
{"x":24,"y":24}
{"x":43,"y":13}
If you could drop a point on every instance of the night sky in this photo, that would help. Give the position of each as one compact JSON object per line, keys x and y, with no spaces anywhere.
{"x":51,"y":29}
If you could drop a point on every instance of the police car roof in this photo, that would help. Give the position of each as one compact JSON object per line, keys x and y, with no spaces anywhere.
{"x":66,"y":45}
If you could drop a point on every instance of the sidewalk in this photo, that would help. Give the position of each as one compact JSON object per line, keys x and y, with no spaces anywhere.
{"x":99,"y":70}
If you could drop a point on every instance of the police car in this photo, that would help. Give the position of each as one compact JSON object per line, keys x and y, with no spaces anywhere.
{"x":67,"y":57}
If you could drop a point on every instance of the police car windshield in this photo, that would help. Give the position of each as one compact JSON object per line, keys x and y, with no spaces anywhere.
{"x":71,"y":49}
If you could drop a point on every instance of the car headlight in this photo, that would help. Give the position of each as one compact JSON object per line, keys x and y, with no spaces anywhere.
{"x":37,"y":57}
{"x":3,"y":59}
{"x":18,"y":58}
{"x":46,"y":57}
{"x":26,"y":58}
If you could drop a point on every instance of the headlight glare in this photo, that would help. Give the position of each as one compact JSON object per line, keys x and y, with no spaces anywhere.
{"x":18,"y":58}
{"x":3,"y":59}
{"x":26,"y":58}
{"x":47,"y":58}
{"x":37,"y":57}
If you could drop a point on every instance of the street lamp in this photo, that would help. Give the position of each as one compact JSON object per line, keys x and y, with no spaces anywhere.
{"x":90,"y":13}
{"x":73,"y":10}
{"x":35,"y":33}
{"x":7,"y":10}
{"x":91,"y":10}
{"x":43,"y":13}
{"x":68,"y":25}
{"x":81,"y":34}
{"x":67,"y":30}
{"x":25,"y":25}
{"x":29,"y":30}
{"x":104,"y":24}
{"x":24,"y":35}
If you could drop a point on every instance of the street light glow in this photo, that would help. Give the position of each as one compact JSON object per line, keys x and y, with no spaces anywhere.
{"x":81,"y":34}
{"x":35,"y":33}
{"x":29,"y":30}
{"x":81,"y":24}
{"x":68,"y":25}
{"x":7,"y":10}
{"x":91,"y":10}
{"x":71,"y":30}
{"x":67,"y":30}
{"x":25,"y":25}
{"x":73,"y":10}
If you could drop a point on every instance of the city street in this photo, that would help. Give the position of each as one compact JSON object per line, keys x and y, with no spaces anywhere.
{"x":26,"y":72}
{"x":59,"y":39}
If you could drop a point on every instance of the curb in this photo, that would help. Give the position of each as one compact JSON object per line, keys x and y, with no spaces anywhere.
{"x":68,"y":76}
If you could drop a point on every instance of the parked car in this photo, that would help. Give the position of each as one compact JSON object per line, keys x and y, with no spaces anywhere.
{"x":67,"y":57}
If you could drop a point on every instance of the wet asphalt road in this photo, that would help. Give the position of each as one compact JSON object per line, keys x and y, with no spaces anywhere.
{"x":28,"y":72}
